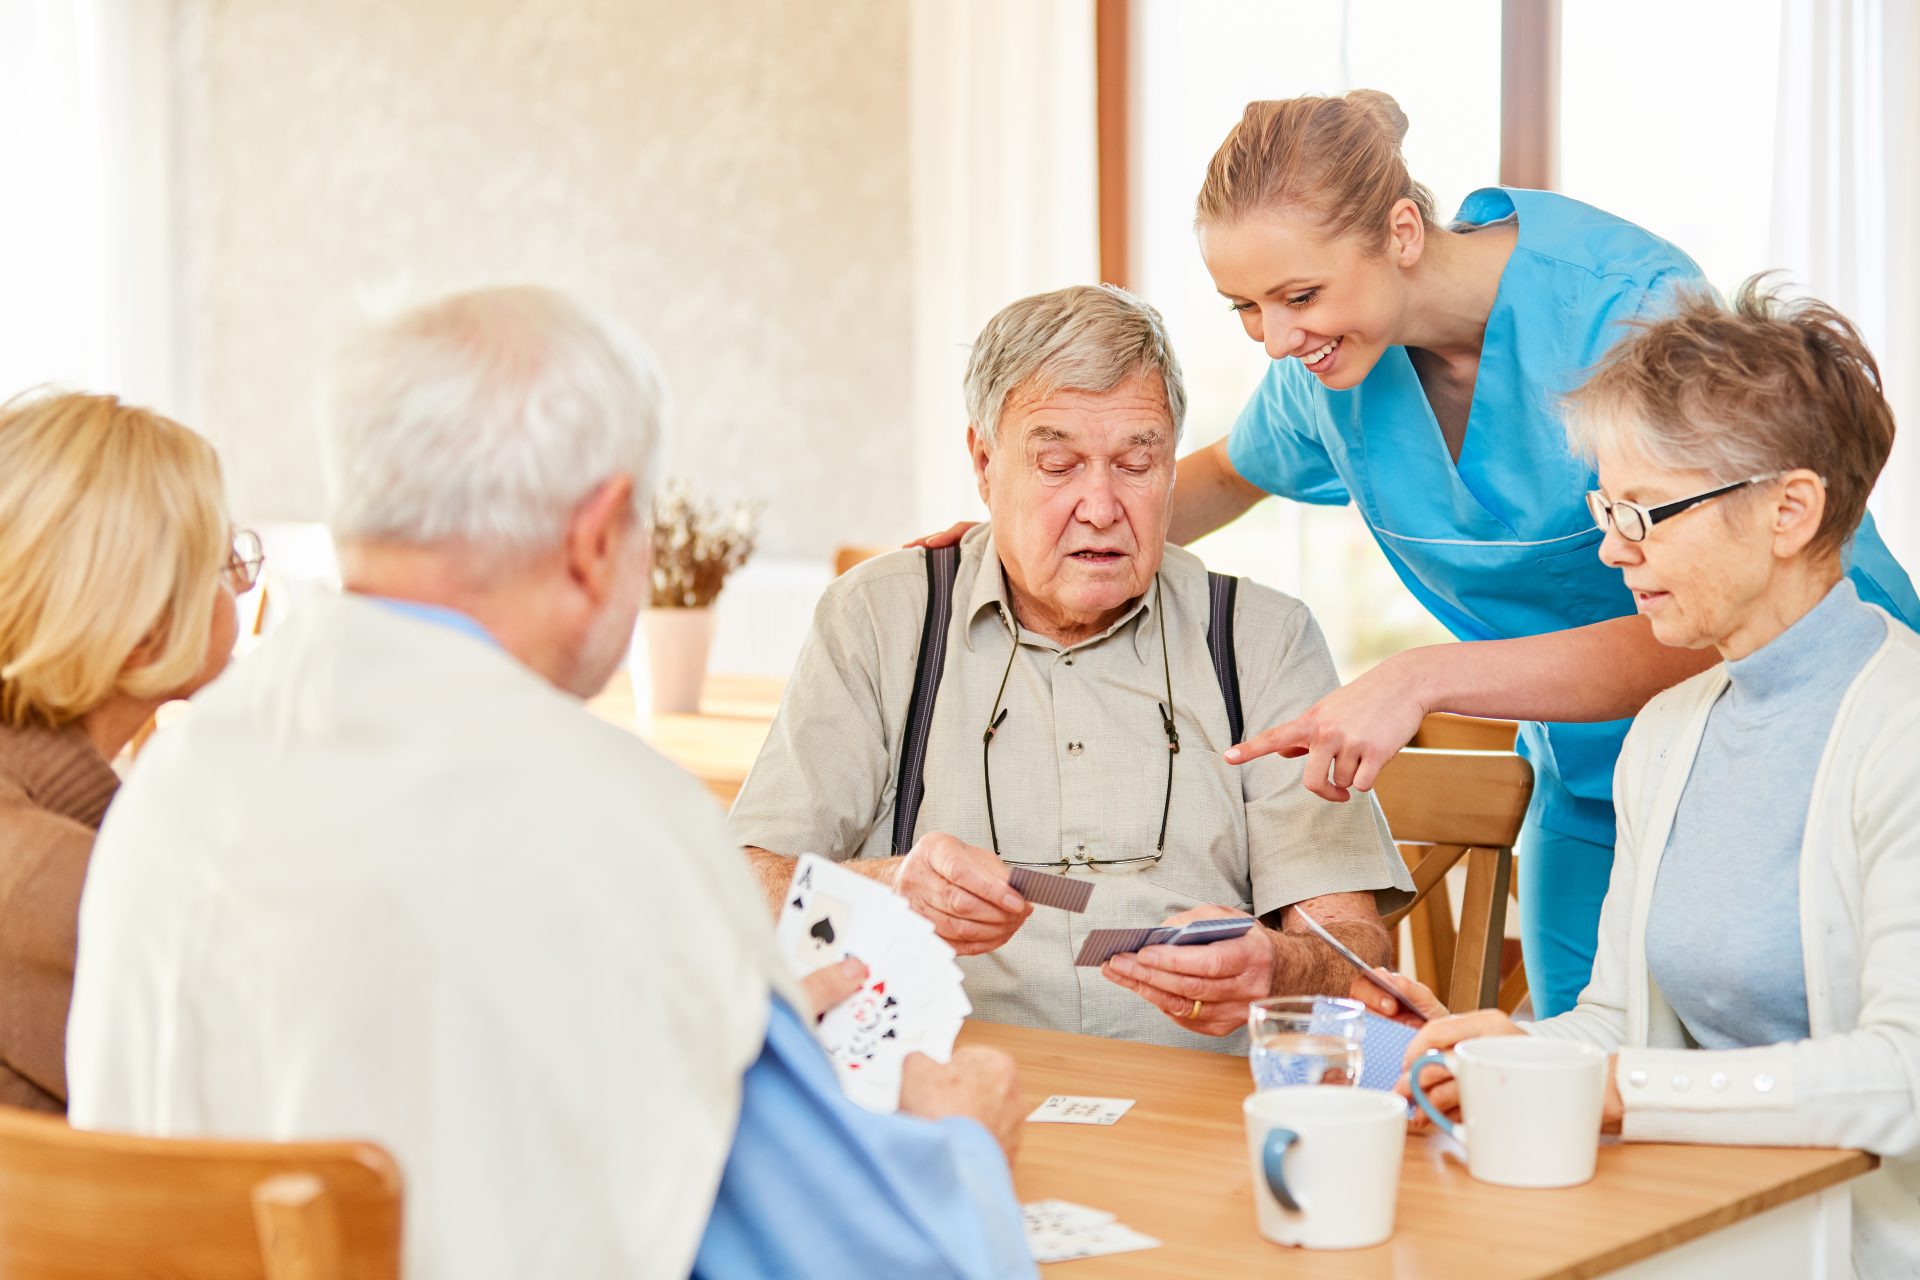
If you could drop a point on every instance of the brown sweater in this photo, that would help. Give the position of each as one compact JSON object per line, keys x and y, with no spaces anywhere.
{"x":54,"y":789}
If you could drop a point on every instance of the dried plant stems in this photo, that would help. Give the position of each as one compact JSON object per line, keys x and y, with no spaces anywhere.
{"x":696,"y":544}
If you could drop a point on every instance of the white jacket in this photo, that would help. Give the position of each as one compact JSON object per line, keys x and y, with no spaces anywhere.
{"x":1855,"y":1082}
{"x":386,"y":882}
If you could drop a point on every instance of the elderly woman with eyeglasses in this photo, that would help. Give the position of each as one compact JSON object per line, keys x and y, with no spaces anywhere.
{"x":118,"y":573}
{"x":1758,"y":977}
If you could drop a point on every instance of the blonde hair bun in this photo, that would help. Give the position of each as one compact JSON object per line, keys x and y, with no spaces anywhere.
{"x":1336,"y":159}
{"x":1385,"y":112}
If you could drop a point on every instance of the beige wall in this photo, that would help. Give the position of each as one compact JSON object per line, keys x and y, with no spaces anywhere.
{"x":729,"y":177}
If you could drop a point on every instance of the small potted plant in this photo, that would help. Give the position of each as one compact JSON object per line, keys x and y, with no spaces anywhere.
{"x":696,"y":544}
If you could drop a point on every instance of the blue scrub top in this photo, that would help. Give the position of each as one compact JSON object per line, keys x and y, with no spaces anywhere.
{"x":1501,"y":545}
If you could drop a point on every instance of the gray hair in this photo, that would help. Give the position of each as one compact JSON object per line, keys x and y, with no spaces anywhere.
{"x":1082,"y":338}
{"x":483,"y":419}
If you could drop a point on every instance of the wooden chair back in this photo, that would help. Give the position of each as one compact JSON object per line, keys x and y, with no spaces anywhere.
{"x":78,"y":1206}
{"x":1444,"y":808}
{"x":1466,"y":733}
{"x":845,"y":557}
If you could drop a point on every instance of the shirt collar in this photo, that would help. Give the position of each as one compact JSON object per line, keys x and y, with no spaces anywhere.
{"x":438,"y":615}
{"x":990,"y":592}
{"x":1489,"y":205}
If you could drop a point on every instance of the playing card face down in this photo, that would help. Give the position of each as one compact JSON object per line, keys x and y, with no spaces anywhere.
{"x":1381,"y":1051}
{"x":1064,"y":892}
{"x":912,"y":1000}
{"x":1101,"y":945}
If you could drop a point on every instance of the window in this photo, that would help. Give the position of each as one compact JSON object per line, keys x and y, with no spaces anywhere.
{"x":1197,"y":64}
{"x":1694,"y":162}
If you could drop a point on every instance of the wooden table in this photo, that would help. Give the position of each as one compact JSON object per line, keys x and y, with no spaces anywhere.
{"x":1175,"y":1167}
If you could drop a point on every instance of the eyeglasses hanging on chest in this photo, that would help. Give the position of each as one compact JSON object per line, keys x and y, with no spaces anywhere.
{"x":998,"y":717}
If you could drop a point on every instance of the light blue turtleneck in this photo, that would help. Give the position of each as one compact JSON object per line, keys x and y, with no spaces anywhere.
{"x":1723,"y":936}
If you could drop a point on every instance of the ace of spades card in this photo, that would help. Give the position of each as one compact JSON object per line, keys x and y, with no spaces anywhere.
{"x":911,"y":1000}
{"x":818,"y":940}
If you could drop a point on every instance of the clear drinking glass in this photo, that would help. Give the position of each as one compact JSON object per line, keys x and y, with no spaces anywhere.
{"x":1305,"y":1040}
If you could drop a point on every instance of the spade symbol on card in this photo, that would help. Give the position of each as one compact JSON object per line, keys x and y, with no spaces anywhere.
{"x":820,"y":927}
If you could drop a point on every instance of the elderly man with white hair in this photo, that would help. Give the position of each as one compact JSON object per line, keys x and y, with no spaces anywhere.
{"x":390,"y":880}
{"x":1057,"y":696}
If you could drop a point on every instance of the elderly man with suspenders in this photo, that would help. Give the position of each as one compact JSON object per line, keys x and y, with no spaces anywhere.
{"x":1055,"y":692}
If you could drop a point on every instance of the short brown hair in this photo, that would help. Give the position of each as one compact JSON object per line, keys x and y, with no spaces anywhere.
{"x":1336,"y":158}
{"x":113,"y":532}
{"x":1769,"y":384}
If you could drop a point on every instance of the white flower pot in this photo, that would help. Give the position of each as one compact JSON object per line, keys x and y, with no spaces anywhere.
{"x":678,"y":642}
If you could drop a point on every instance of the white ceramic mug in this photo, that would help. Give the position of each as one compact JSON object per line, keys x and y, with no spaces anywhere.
{"x":1326,"y":1164}
{"x":1529,"y":1108}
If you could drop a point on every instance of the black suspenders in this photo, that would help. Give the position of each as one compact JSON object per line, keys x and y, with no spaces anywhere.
{"x":942,"y":564}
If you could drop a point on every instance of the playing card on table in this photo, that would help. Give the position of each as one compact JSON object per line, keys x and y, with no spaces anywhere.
{"x":1063,"y":892}
{"x":912,"y":1000}
{"x":1058,"y":1230}
{"x":1067,"y":1109}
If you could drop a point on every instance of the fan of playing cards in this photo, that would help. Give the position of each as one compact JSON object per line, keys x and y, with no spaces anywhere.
{"x":912,"y":1000}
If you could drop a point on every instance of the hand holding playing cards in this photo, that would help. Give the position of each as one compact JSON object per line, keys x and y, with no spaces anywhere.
{"x":831,"y":984}
{"x":963,"y":891}
{"x":836,"y":924}
{"x":980,"y":1084}
{"x":1415,"y":994}
{"x":1221,"y":976}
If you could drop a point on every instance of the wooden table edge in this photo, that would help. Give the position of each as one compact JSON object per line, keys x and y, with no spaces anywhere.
{"x":1853,"y":1164}
{"x":1036,"y":1048}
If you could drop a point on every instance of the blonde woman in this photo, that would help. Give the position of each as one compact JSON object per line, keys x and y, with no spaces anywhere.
{"x":117,"y":579}
{"x":1758,"y":977}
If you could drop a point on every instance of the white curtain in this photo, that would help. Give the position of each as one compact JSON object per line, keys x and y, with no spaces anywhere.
{"x":1003,"y":144}
{"x":1847,"y":203}
{"x":84,"y":227}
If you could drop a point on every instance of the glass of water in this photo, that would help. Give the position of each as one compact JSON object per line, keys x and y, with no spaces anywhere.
{"x":1305,"y":1040}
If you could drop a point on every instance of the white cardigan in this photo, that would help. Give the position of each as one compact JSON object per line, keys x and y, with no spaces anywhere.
{"x":1855,"y":1082}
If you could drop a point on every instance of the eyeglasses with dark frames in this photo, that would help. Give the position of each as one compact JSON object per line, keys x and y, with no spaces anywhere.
{"x":998,"y":717}
{"x":1634,"y":521}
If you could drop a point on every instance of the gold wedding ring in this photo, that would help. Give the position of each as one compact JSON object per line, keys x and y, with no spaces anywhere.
{"x":1194,"y":1012}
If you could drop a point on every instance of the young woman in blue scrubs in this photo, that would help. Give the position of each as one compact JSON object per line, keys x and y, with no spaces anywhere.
{"x":1415,"y":374}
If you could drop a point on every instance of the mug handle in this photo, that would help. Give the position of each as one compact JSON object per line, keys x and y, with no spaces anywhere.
{"x":1273,"y":1156}
{"x":1432,"y":1058}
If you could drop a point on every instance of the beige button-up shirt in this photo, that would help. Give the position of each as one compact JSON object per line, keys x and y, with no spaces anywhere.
{"x":1079,"y":768}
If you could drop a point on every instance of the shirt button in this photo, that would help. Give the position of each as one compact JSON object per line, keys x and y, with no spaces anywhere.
{"x":1680,"y":1084}
{"x":1637,"y":1079}
{"x":1763,"y":1083}
{"x":1073,"y":748}
{"x":1718,"y":1080}
{"x":1069,"y":659}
